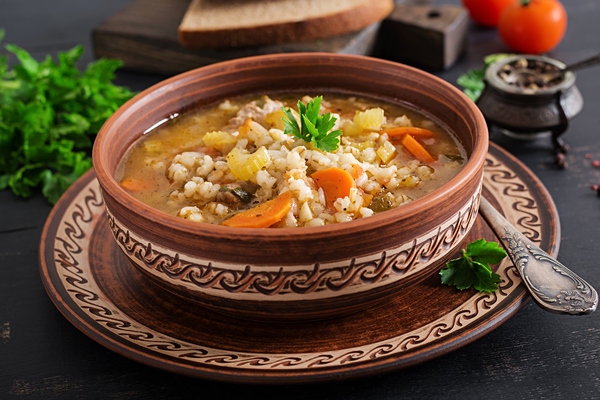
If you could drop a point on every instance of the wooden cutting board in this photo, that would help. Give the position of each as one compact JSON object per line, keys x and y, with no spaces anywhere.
{"x":144,"y":37}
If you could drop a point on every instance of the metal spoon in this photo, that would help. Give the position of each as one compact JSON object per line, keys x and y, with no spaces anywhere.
{"x":541,"y":79}
{"x":552,"y":285}
{"x":551,"y":76}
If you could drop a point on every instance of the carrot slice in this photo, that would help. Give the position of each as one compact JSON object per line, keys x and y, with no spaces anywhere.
{"x":357,"y":171}
{"x":400,"y":131}
{"x":416,"y":149}
{"x":133,"y":185}
{"x":263,"y":215}
{"x":335,"y":183}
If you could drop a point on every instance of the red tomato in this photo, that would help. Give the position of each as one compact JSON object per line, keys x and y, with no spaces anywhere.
{"x":533,"y":26}
{"x":486,"y":12}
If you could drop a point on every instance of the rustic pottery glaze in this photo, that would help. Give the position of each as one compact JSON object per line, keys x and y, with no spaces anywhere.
{"x":293,"y":273}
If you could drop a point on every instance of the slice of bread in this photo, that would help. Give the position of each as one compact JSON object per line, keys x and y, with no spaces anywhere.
{"x":236,"y":23}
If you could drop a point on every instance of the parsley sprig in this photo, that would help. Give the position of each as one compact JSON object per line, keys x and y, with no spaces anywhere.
{"x":313,"y":128}
{"x":50,"y":113}
{"x":472,"y":80}
{"x":473,"y":268}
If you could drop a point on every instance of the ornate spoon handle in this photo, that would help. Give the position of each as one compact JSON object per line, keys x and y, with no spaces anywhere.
{"x":552,"y":285}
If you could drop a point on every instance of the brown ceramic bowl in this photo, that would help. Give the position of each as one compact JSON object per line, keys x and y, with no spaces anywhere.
{"x":294,"y":273}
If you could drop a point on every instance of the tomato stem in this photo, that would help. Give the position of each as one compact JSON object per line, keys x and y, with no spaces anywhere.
{"x":525,"y":3}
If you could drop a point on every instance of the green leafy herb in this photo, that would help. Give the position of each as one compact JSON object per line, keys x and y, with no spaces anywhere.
{"x":473,"y":268}
{"x":472,"y":83}
{"x":314,"y":128}
{"x":472,"y":80}
{"x":50,"y":113}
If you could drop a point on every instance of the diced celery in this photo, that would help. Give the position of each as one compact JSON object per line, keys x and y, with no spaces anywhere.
{"x":275,"y":119}
{"x":371,"y":119}
{"x":220,"y":140}
{"x":244,"y":166}
{"x":351,"y":129}
{"x":386,"y":152}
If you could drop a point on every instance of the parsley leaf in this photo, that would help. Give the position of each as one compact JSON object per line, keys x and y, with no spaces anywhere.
{"x":473,"y":268}
{"x":313,"y":128}
{"x":50,"y":113}
{"x":472,"y":82}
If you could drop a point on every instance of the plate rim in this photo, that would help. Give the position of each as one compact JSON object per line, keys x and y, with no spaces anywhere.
{"x":512,"y":304}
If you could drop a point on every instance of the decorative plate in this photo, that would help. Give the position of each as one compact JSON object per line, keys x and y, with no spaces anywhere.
{"x":100,"y":293}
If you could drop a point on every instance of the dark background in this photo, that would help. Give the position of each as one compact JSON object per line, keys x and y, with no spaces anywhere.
{"x":534,"y":355}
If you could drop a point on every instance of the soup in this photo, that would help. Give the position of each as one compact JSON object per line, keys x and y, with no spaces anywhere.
{"x":290,"y":161}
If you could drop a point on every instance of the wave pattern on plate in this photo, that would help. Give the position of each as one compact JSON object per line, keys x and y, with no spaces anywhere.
{"x":76,"y":277}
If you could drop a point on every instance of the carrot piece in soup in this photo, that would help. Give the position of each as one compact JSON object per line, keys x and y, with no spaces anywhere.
{"x":263,"y":215}
{"x":357,"y":171}
{"x":416,"y":149}
{"x":133,"y":185}
{"x":335,"y":182}
{"x":411,"y":130}
{"x":399,"y":132}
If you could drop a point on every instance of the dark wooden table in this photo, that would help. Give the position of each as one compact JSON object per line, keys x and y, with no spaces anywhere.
{"x":534,"y":355}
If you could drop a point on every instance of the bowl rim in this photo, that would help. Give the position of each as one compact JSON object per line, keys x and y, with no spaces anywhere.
{"x":108,"y":182}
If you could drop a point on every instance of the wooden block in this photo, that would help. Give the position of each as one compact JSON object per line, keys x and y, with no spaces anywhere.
{"x":144,"y":37}
{"x":426,"y":36}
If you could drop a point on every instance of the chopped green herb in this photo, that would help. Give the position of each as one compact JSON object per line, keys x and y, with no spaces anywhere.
{"x":314,"y":128}
{"x":473,"y":268}
{"x":472,"y":80}
{"x":454,"y":157}
{"x":49,"y":115}
{"x":382,"y":203}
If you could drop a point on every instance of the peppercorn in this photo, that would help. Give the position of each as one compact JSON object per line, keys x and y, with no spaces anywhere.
{"x":560,"y":159}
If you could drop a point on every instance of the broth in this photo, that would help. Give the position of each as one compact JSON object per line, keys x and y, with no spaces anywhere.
{"x":214,"y":163}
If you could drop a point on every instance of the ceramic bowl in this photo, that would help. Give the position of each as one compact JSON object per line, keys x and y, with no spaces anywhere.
{"x":293,"y":273}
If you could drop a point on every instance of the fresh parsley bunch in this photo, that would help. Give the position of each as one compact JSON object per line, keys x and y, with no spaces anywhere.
{"x":473,"y":268}
{"x":314,"y":128}
{"x":49,"y":115}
